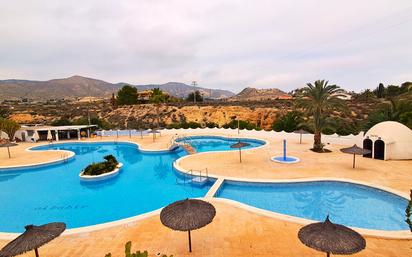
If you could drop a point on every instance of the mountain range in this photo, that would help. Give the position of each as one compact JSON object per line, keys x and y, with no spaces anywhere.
{"x":78,"y":86}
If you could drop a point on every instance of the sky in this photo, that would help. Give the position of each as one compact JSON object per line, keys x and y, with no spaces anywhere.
{"x":225,"y":44}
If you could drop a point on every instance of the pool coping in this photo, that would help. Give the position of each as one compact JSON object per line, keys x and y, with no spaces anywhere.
{"x":210,"y":196}
{"x":397,"y":234}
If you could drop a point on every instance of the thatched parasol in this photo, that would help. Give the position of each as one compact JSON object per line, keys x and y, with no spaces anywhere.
{"x":239,"y":145}
{"x":8,"y":145}
{"x":33,"y":238}
{"x":154,"y":132}
{"x":355,"y":150}
{"x":331,"y":238}
{"x":301,"y":132}
{"x":141,"y":133}
{"x":187,"y":215}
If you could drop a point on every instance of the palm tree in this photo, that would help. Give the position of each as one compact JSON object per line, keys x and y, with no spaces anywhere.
{"x":316,"y":100}
{"x":158,"y":98}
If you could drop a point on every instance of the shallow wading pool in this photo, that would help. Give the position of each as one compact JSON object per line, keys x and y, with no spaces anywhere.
{"x":346,"y":203}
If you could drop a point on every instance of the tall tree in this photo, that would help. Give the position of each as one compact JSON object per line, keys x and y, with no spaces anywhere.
{"x":380,"y":91}
{"x":158,"y":98}
{"x":127,"y":95}
{"x":191,"y":97}
{"x":318,"y":99}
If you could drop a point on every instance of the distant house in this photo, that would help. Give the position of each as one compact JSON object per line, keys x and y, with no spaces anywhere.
{"x":144,"y":96}
{"x":344,"y":96}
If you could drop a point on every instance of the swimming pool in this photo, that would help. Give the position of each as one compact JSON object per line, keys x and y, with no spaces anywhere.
{"x":54,"y":192}
{"x":218,"y":143}
{"x":346,"y":203}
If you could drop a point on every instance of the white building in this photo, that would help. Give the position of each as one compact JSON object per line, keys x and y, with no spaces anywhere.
{"x":56,"y":133}
{"x":389,"y":140}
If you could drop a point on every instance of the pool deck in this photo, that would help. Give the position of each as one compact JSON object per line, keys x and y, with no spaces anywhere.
{"x":235,"y":230}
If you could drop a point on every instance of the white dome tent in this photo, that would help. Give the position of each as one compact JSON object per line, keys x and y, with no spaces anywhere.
{"x":389,"y":140}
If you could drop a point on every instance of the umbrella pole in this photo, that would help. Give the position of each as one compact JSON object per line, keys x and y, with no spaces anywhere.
{"x":328,"y":254}
{"x":353,"y":160}
{"x":240,"y":154}
{"x":36,"y":252}
{"x":300,"y":140}
{"x":190,"y":242}
{"x":8,"y":150}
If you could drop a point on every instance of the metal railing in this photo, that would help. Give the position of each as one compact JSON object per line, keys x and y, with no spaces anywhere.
{"x":64,"y":157}
{"x":205,"y":173}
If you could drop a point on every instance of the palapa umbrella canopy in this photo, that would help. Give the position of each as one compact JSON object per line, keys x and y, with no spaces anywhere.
{"x":239,"y":145}
{"x":355,"y":150}
{"x":33,"y":238}
{"x":187,"y":215}
{"x":154,"y":132}
{"x":301,"y":132}
{"x":331,"y":238}
{"x":141,"y":133}
{"x":8,"y":145}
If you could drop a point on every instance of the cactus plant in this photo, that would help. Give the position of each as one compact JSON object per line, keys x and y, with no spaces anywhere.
{"x":128,"y":253}
{"x":408,"y":213}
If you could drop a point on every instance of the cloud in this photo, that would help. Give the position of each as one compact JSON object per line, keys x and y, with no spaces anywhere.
{"x":221,"y":44}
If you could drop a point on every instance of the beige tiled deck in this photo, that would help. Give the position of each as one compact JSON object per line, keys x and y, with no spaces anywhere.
{"x":257,"y":164}
{"x":235,"y":231}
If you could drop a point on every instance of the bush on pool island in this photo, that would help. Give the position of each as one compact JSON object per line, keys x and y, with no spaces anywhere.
{"x":99,"y":168}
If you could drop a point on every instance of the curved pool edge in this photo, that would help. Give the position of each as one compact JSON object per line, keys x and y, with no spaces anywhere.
{"x":398,"y":235}
{"x":139,"y":147}
{"x":72,"y":154}
{"x":126,"y":222}
{"x":384,"y":234}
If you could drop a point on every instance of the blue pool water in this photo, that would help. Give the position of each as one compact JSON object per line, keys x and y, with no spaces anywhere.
{"x":55,"y":193}
{"x":346,"y":203}
{"x":216,"y":143}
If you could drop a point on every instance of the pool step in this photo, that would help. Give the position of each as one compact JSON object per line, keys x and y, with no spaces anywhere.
{"x":189,"y":149}
{"x":199,"y":180}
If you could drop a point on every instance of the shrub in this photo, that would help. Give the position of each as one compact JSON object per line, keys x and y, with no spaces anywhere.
{"x":212,"y":125}
{"x":185,"y":125}
{"x":108,"y":165}
{"x":328,"y":131}
{"x":288,"y":122}
{"x":243,"y":124}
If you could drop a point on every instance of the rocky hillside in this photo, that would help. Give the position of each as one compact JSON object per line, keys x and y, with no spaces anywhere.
{"x":261,"y":116}
{"x":182,"y":90}
{"x":253,"y":94}
{"x":78,"y":86}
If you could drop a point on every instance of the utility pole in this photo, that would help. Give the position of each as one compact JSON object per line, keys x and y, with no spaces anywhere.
{"x":194,"y":84}
{"x":88,"y":106}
